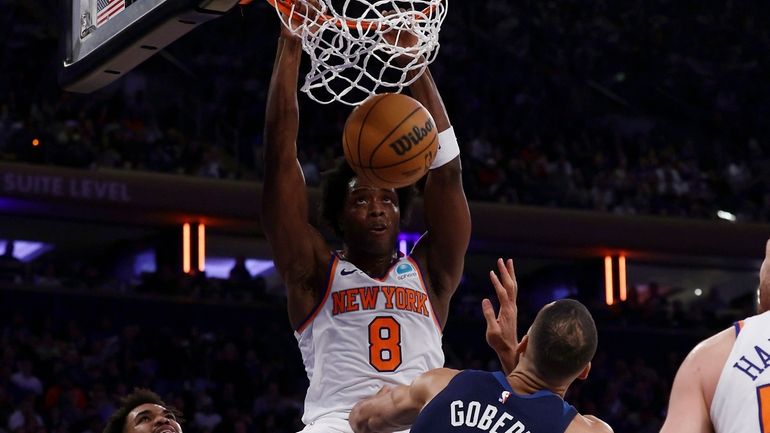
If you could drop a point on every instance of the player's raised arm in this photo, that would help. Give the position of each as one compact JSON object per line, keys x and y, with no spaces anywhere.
{"x":501,"y":329}
{"x":299,"y":251}
{"x":394,"y":409}
{"x":447,"y":217}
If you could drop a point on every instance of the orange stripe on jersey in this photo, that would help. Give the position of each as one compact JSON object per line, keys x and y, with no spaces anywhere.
{"x":317,"y":309}
{"x":425,"y":286}
{"x":763,"y":395}
{"x":738,"y":326}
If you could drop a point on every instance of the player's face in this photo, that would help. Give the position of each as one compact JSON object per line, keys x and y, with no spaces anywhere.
{"x":371,"y":217}
{"x":151,"y":418}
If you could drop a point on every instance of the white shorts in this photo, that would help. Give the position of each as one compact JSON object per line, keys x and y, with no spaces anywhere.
{"x":331,"y":425}
{"x":328,"y":425}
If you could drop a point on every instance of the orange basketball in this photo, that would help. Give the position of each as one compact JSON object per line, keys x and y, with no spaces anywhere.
{"x":390,"y":140}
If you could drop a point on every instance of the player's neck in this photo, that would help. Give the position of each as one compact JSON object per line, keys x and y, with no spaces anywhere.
{"x":527,"y":382}
{"x":373,"y":265}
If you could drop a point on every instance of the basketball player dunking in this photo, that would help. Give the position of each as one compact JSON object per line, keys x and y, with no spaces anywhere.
{"x":723,"y":385}
{"x":364,"y":316}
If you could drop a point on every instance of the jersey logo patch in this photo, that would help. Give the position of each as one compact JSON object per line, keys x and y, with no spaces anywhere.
{"x":404,"y":271}
{"x":404,"y":268}
{"x":504,"y":397}
{"x":346,"y":272}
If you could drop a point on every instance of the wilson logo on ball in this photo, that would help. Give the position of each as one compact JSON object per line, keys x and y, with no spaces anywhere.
{"x":406,"y":142}
{"x":390,"y":140}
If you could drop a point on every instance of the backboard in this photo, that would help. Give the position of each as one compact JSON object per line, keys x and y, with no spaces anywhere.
{"x":104,"y":39}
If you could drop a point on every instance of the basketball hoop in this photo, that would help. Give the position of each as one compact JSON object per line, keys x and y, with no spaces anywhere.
{"x":350,"y":57}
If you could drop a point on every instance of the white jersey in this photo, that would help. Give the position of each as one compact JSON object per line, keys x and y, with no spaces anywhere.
{"x":741,"y":401}
{"x":365,"y":333}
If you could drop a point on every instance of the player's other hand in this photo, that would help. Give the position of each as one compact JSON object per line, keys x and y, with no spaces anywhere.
{"x":402,"y":36}
{"x":501,"y":329}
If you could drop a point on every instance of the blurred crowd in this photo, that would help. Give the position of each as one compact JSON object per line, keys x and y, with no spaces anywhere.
{"x":642,"y":107}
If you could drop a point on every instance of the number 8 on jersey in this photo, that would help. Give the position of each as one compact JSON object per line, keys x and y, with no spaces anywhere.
{"x":385,"y":344}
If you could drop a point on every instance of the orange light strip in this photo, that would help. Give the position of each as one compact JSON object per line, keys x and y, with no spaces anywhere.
{"x":201,"y":247}
{"x":608,"y":296}
{"x":186,"y":248}
{"x":622,"y":277}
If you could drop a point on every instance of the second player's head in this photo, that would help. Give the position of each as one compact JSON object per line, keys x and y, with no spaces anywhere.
{"x":562,"y":341}
{"x":365,"y":217}
{"x":143,"y":411}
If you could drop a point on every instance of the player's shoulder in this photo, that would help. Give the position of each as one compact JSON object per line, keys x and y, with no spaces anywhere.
{"x":429,"y":384}
{"x":588,"y":424}
{"x":442,"y":376}
{"x":703,"y":365}
{"x":718,"y":345}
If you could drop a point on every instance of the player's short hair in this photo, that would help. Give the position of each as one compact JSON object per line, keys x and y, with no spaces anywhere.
{"x":563,"y":340}
{"x":140,"y":396}
{"x":334,"y":190}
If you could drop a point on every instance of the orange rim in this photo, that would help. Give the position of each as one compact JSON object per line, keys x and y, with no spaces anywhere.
{"x":285,"y":6}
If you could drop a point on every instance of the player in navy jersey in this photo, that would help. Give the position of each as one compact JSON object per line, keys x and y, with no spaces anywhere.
{"x":557,"y":349}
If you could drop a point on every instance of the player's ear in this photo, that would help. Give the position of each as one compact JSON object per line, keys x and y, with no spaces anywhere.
{"x":584,"y":374}
{"x":522,"y":347}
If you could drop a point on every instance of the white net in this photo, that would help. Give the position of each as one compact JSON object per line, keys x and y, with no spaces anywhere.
{"x":358,"y":48}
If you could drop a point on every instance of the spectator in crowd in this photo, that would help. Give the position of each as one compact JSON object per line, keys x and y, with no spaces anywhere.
{"x":25,"y":380}
{"x":239,"y":274}
{"x":25,"y":419}
{"x":11,"y":268}
{"x":206,"y":419}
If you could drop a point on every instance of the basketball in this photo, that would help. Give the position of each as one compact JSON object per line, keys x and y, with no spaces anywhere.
{"x":390,"y":140}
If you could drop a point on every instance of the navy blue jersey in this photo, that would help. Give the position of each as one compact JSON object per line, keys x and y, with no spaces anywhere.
{"x":476,"y":401}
